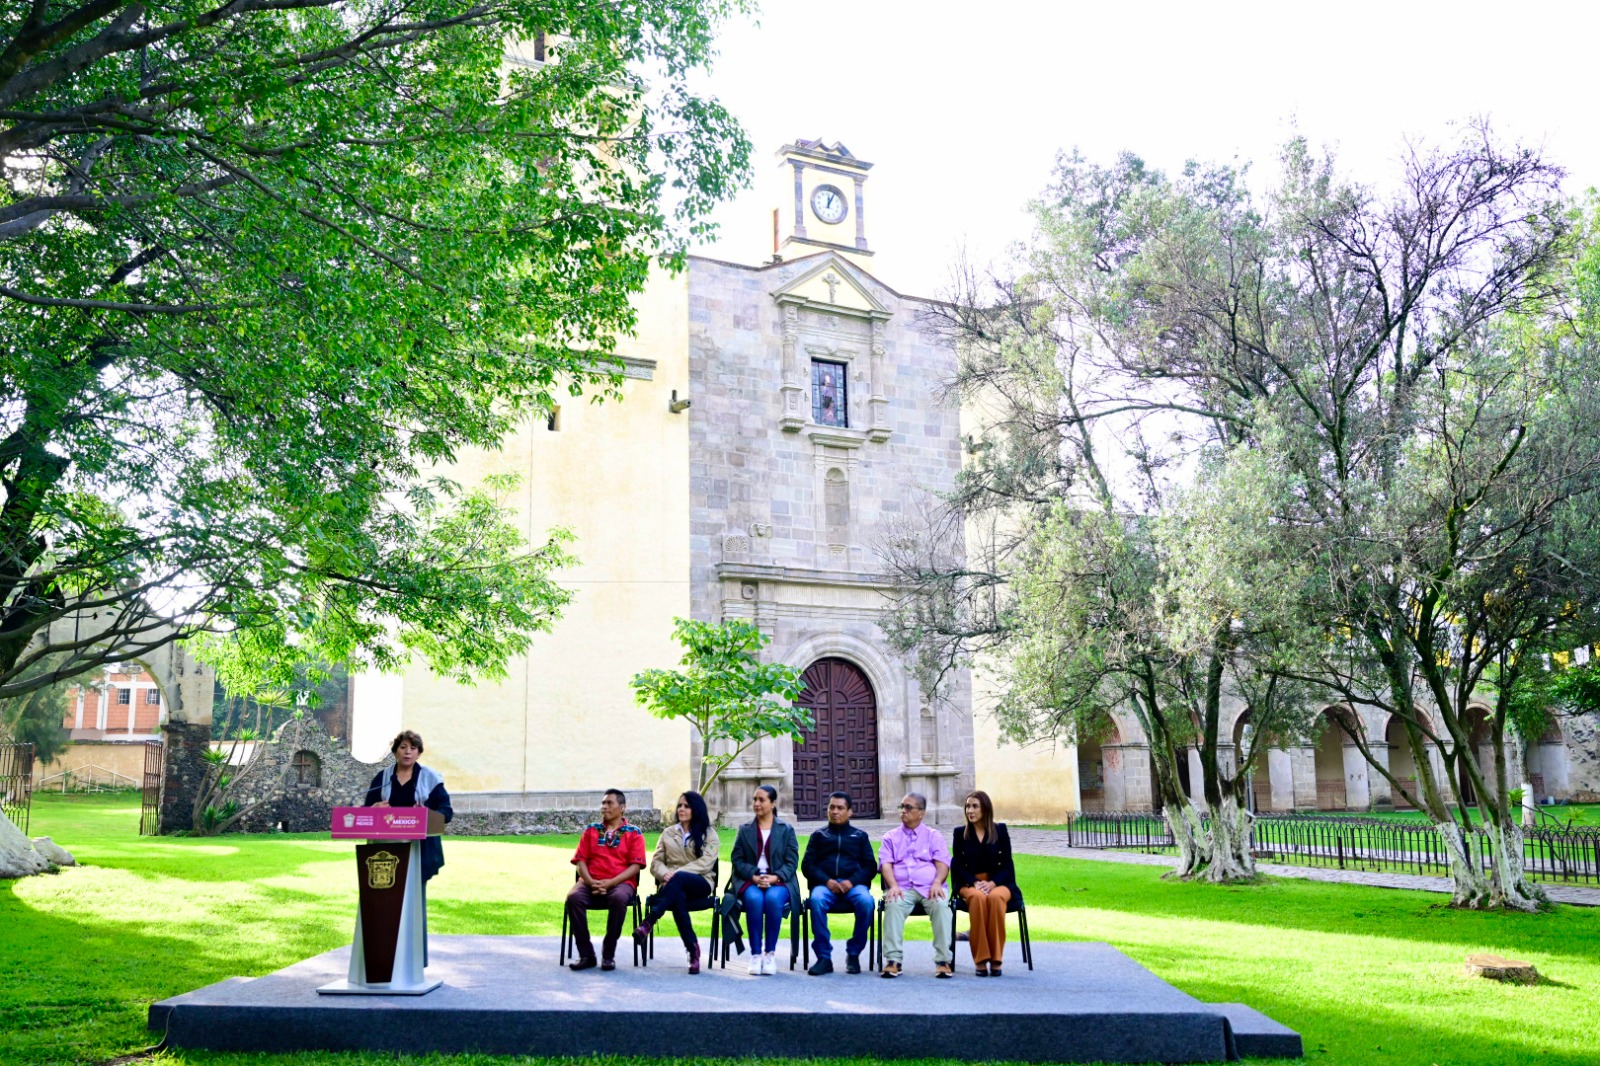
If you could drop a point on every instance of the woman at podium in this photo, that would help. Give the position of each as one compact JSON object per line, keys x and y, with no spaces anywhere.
{"x":410,"y":784}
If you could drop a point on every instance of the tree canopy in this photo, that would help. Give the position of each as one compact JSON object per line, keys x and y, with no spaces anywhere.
{"x":265,"y":264}
{"x":725,"y":691}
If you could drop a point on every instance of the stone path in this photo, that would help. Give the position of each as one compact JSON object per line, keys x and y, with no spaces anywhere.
{"x":1054,"y":843}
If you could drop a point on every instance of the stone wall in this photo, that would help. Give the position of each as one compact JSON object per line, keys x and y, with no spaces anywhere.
{"x":331,"y":778}
{"x":1583,"y":758}
{"x":787,"y":515}
{"x":183,"y":771}
{"x":480,"y":823}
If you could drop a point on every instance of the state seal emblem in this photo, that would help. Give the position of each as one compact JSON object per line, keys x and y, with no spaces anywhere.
{"x":381,"y":869}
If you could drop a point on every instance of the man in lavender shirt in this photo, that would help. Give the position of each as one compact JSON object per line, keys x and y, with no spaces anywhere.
{"x":915,"y":864}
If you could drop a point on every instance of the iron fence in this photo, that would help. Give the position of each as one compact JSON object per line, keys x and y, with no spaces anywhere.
{"x":150,"y":806}
{"x":16,"y":783}
{"x":1353,"y":842}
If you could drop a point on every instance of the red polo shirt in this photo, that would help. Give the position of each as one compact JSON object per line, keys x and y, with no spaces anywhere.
{"x":608,"y":854}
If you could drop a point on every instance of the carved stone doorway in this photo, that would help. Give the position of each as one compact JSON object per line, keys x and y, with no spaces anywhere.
{"x":840,"y":752}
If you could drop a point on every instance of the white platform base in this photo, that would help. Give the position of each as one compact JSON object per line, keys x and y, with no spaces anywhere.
{"x":345,"y":988}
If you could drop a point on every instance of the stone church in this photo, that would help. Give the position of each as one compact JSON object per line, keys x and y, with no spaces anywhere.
{"x":776,"y":418}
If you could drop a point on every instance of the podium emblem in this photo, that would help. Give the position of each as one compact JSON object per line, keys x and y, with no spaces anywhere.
{"x":381,"y":868}
{"x":349,"y":821}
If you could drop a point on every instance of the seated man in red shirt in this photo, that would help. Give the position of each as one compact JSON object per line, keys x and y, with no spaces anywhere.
{"x":609,"y":858}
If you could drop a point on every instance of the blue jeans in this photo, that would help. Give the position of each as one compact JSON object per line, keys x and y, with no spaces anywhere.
{"x":763,"y":908}
{"x":825,"y":901}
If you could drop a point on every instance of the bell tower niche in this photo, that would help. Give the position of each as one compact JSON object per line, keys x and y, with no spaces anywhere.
{"x":826,"y":208}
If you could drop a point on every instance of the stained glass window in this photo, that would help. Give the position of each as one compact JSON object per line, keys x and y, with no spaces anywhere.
{"x":828,"y":400}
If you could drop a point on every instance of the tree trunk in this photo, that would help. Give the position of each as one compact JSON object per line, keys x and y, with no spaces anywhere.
{"x":1229,"y":845}
{"x":1194,"y":850}
{"x":1509,"y":886}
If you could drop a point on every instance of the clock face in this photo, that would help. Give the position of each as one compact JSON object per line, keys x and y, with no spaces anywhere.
{"x":827,"y":202}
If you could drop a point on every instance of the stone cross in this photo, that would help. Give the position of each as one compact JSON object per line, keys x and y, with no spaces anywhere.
{"x":832,"y":282}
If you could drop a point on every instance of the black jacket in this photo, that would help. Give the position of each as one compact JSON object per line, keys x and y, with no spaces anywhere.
{"x":438,"y":800}
{"x":839,"y":855}
{"x":783,"y":856}
{"x":993,"y":857}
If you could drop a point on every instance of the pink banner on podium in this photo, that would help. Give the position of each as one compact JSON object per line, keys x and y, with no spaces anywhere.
{"x":380,"y":823}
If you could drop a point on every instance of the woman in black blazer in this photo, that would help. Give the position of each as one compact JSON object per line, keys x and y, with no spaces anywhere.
{"x":766,"y":858}
{"x":982,"y":871}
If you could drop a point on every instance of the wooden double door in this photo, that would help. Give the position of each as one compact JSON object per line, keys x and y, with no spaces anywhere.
{"x":840,"y":751}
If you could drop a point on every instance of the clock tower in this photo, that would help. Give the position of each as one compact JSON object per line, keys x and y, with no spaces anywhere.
{"x":826,"y":208}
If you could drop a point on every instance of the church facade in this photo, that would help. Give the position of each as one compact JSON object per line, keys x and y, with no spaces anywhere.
{"x":777,"y":419}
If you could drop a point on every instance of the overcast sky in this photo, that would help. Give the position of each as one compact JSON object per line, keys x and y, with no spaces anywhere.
{"x":962,"y":107}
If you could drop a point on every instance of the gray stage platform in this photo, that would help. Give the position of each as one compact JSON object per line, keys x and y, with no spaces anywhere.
{"x":506,"y":995}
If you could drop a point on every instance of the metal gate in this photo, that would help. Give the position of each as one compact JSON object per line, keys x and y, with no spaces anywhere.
{"x":155,"y":762}
{"x":16,"y":783}
{"x":840,"y":752}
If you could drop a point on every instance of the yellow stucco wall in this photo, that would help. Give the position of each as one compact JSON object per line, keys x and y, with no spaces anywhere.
{"x":1032,"y":783}
{"x":617,"y":475}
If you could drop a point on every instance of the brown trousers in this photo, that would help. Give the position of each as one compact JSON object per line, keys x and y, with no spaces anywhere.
{"x":615,"y":902}
{"x":987,"y":935}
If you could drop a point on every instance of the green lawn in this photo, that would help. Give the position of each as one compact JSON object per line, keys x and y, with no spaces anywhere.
{"x":1366,"y":975}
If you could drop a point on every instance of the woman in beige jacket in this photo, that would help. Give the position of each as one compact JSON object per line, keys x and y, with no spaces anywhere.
{"x":682,"y":865}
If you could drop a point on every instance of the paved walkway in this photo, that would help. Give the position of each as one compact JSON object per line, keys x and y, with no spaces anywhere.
{"x":1054,"y":843}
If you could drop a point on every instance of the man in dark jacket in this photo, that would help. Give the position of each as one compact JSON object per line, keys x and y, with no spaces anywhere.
{"x":839,"y":868}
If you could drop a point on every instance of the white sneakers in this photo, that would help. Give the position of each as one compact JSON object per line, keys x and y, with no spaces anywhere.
{"x":763,"y":965}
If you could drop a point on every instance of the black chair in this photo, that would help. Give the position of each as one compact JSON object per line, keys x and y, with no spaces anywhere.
{"x":639,"y":955}
{"x":1014,"y":905}
{"x":918,"y":910}
{"x":794,"y":928}
{"x":707,"y":904}
{"x":805,"y":936}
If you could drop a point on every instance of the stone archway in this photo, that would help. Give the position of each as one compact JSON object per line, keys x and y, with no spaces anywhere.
{"x":1329,"y":767}
{"x":1258,"y":776}
{"x":840,"y":751}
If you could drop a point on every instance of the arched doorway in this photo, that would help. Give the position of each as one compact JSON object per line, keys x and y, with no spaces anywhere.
{"x":840,"y":751}
{"x":1258,"y":780}
{"x":1095,"y":768}
{"x":1402,"y":763}
{"x":1330,"y":765}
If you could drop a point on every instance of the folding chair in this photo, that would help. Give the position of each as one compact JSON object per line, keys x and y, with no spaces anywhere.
{"x":918,"y":910}
{"x":805,"y":936}
{"x":707,"y":904}
{"x":1014,"y":905}
{"x":639,"y":955}
{"x":794,"y":928}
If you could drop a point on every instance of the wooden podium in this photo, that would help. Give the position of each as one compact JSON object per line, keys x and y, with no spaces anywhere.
{"x":389,"y":949}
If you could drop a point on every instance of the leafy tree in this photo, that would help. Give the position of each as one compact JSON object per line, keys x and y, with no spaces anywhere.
{"x":725,"y":691}
{"x":37,"y":718}
{"x":1403,"y":359}
{"x":264,"y":265}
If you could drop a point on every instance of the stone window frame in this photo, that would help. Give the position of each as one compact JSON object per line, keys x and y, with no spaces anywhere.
{"x":842,"y":360}
{"x":870,"y":365}
{"x":299,"y":765}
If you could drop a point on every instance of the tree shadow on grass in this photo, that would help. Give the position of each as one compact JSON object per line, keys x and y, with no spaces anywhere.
{"x":78,"y":990}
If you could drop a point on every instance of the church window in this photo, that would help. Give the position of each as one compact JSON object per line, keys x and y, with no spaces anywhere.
{"x":828,"y":400}
{"x":307,"y":769}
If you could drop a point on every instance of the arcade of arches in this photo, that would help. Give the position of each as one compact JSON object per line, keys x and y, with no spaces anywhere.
{"x":1327,"y":772}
